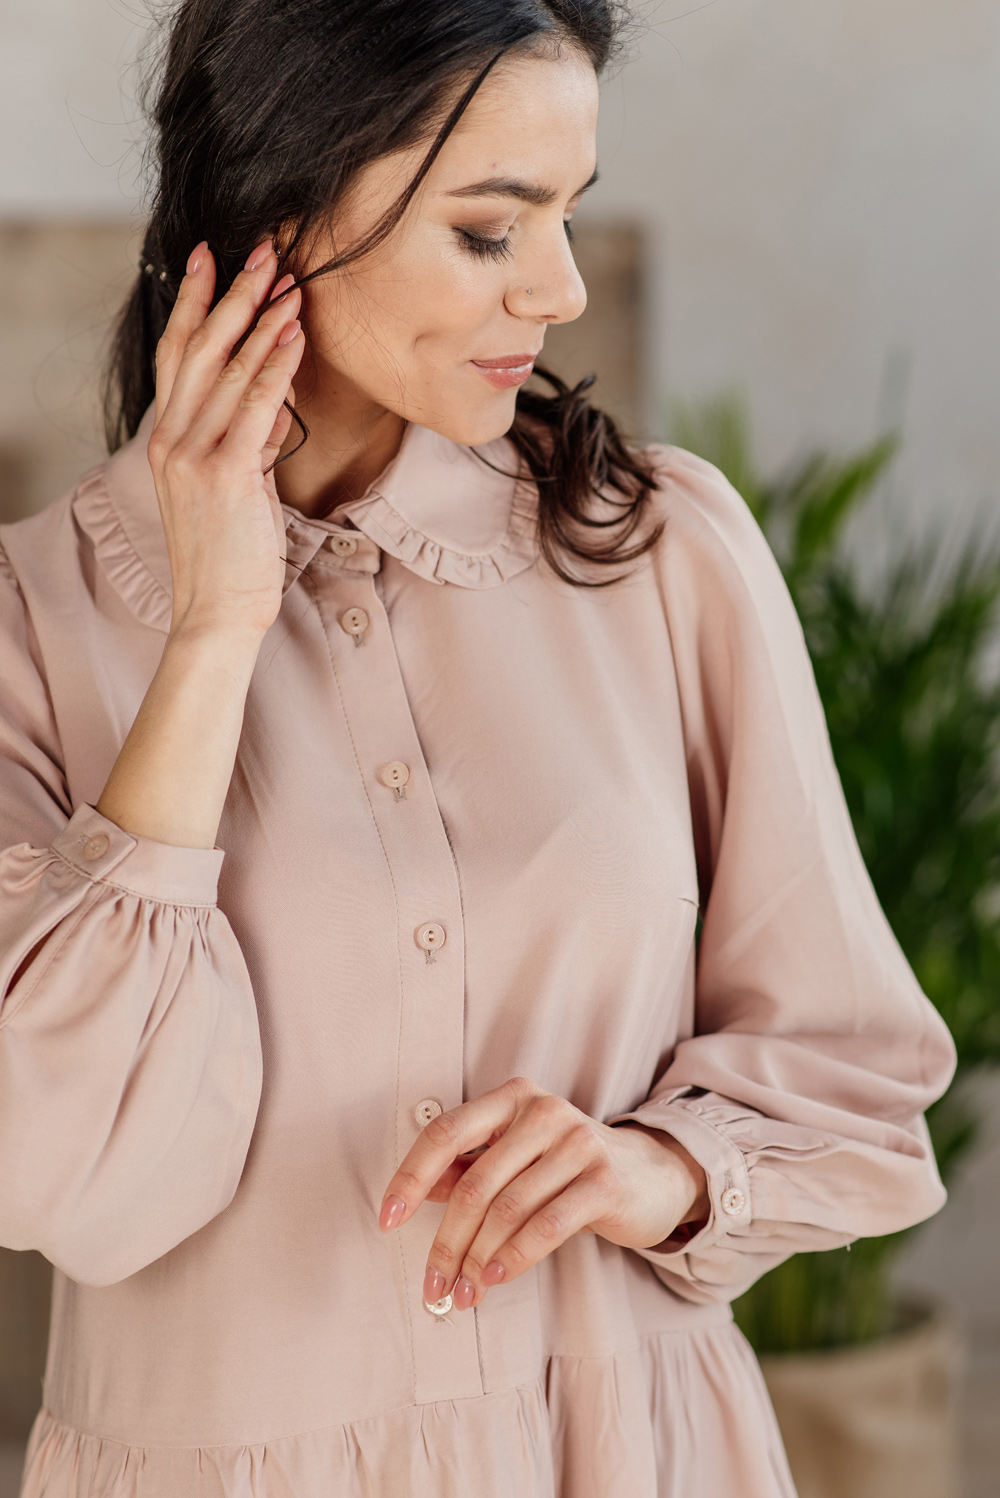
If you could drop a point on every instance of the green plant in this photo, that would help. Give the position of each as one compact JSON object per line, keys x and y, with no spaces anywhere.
{"x":903,"y":664}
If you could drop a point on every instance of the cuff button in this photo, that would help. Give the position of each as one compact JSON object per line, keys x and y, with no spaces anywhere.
{"x":96,"y":846}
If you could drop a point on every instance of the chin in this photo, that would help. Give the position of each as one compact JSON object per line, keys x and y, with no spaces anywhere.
{"x":476,"y":427}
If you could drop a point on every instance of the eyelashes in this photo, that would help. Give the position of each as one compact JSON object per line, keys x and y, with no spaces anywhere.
{"x":485,"y":248}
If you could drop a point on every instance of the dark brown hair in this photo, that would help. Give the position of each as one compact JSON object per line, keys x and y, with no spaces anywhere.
{"x":263,"y":114}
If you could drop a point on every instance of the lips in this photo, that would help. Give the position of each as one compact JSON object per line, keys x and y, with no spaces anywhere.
{"x":507,"y":369}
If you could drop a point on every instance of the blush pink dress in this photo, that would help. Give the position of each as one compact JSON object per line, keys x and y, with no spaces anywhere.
{"x":212,"y":1061}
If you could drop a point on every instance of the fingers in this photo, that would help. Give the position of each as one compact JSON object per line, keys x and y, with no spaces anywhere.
{"x":495,"y":1206}
{"x":251,"y":379}
{"x":260,"y":408}
{"x":572,"y":1211}
{"x":279,"y":431}
{"x":199,"y":343}
{"x":457,"y":1132}
{"x":189,"y":311}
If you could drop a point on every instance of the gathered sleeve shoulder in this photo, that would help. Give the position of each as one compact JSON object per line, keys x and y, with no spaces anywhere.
{"x":801,"y":1091}
{"x":130,"y":1065}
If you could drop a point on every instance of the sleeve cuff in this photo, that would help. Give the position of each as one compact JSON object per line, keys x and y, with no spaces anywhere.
{"x":102,"y":851}
{"x":726,"y":1172}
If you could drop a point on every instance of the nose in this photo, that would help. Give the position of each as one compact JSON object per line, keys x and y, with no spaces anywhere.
{"x":557,"y":293}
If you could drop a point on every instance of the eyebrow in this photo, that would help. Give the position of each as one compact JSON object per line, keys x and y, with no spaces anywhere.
{"x":516,"y":187}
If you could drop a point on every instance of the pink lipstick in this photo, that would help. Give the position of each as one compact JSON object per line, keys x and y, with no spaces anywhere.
{"x":508,"y":370}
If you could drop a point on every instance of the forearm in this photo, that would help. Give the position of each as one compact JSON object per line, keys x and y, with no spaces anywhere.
{"x":170,"y":781}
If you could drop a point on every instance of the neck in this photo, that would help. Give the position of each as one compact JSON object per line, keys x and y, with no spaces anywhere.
{"x":351,"y":439}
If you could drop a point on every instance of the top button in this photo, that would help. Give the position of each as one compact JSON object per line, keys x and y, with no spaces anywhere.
{"x":342,"y":546}
{"x":733,"y":1202}
{"x":96,"y":846}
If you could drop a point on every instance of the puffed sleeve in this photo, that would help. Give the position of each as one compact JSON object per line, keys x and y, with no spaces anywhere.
{"x":130,"y":1065}
{"x":814,"y":1054}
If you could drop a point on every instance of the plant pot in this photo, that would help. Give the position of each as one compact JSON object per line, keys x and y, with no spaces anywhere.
{"x":874,"y":1421}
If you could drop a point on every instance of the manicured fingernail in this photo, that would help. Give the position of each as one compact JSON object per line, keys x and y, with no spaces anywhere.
{"x":289,"y":334}
{"x":284,"y":285}
{"x":257,"y":257}
{"x":433,"y":1286}
{"x":493,"y":1273}
{"x":196,"y":256}
{"x":391,"y":1214}
{"x":464,"y":1294}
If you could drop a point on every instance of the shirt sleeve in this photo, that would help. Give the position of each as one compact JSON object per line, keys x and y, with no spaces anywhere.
{"x":130,"y":1064}
{"x":814,"y":1054}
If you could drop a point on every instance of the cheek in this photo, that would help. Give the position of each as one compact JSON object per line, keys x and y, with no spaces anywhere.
{"x":444,"y":299}
{"x":430,"y":299}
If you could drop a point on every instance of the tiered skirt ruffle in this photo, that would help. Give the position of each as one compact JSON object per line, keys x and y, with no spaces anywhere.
{"x":684,"y":1415}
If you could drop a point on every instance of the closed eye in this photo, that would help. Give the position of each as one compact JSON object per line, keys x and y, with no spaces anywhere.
{"x":486,"y":248}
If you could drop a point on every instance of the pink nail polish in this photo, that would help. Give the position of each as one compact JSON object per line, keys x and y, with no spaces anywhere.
{"x":195,"y":258}
{"x":493,"y":1273}
{"x":391,"y":1214}
{"x":284,"y":285}
{"x":289,"y":334}
{"x":257,"y":257}
{"x":433,"y":1286}
{"x":464,"y":1294}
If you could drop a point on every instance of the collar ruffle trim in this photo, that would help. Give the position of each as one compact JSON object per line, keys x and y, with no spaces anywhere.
{"x":440,"y":563}
{"x":112,"y":500}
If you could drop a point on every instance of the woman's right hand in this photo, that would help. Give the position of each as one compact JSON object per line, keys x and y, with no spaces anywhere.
{"x":220,"y":422}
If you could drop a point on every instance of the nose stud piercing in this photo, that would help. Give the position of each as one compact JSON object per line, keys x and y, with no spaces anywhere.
{"x":528,"y":289}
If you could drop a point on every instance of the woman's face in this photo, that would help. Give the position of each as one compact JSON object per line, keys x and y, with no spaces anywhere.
{"x":410,"y":328}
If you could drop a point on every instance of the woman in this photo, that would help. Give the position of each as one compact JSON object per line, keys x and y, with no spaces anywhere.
{"x":423,"y":1159}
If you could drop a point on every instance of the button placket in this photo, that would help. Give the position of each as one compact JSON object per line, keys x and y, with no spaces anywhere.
{"x":431,"y":994}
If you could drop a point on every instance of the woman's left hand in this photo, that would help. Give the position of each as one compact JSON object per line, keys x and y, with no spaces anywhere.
{"x":544,"y":1171}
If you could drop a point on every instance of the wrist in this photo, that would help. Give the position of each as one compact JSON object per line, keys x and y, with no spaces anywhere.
{"x":233,"y":648}
{"x":689,"y":1179}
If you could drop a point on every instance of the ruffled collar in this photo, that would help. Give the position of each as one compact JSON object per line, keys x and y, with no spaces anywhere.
{"x":448,"y":515}
{"x":442,"y":512}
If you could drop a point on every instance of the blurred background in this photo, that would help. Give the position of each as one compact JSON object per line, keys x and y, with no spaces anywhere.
{"x":792,"y":259}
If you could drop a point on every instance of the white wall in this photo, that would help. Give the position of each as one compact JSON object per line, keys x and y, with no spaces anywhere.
{"x":822,"y":183}
{"x":65,"y":126}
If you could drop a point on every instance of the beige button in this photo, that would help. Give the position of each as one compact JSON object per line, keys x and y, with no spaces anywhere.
{"x":342,"y":546}
{"x":395,"y":775}
{"x":96,"y":846}
{"x":429,"y":936}
{"x":427,"y":1111}
{"x":440,"y":1307}
{"x":733,"y":1202}
{"x":354,"y":622}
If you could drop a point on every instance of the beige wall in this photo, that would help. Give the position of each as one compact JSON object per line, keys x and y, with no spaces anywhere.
{"x":62,"y":280}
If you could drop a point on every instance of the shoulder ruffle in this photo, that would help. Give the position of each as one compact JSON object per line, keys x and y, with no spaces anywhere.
{"x":128,"y":574}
